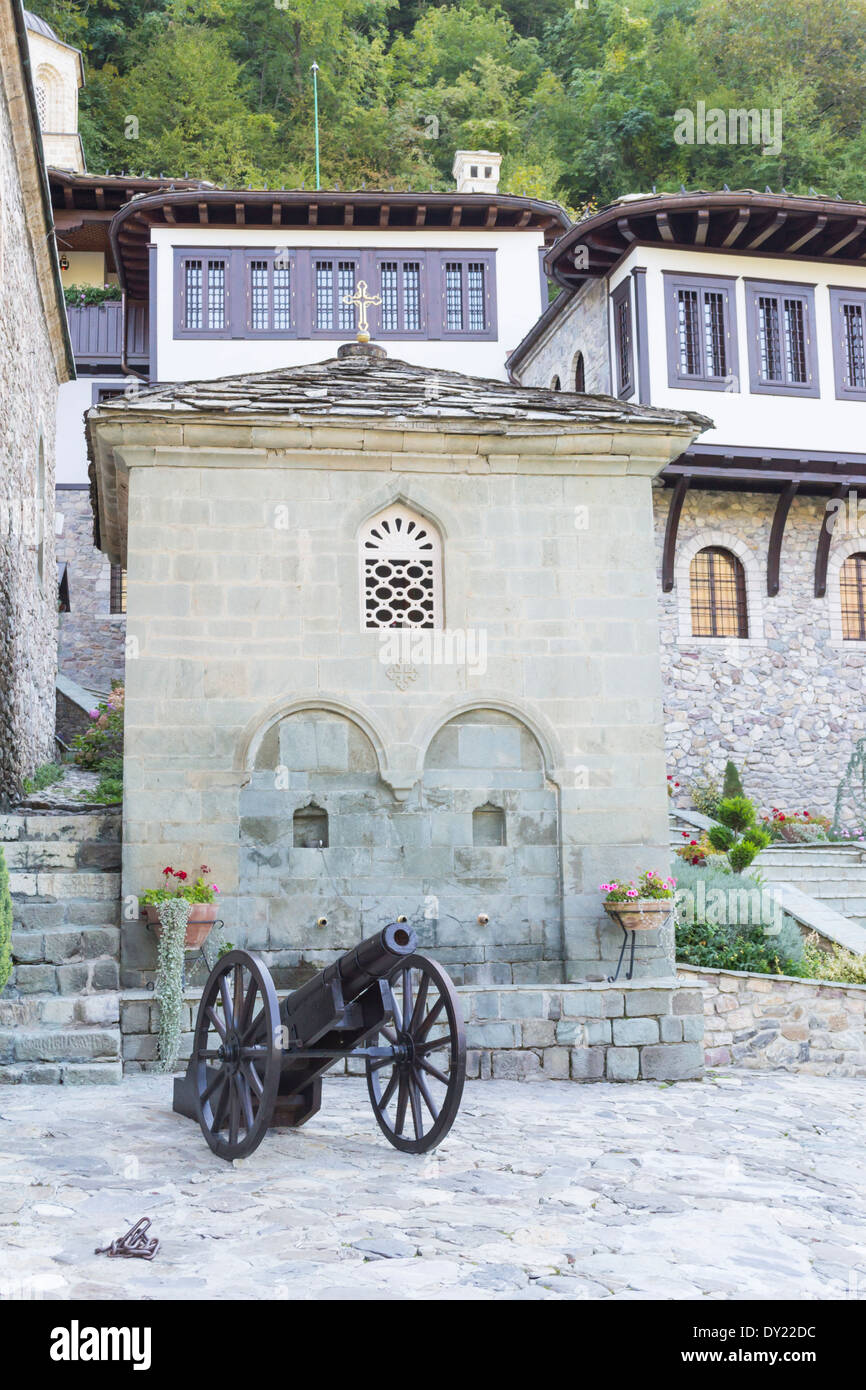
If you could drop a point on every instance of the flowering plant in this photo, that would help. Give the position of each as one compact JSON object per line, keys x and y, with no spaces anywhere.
{"x":796,"y":826}
{"x":196,"y":892}
{"x":649,"y":885}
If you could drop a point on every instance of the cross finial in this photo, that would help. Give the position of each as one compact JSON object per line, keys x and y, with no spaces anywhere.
{"x":363,"y":300}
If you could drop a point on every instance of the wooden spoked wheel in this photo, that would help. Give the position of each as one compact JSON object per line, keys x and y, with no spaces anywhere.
{"x":236,"y":1052}
{"x":416,"y":1092}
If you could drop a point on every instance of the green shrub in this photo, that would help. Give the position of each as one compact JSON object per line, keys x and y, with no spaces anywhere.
{"x":43,"y":777}
{"x":705,"y":794}
{"x":5,"y":924}
{"x":100,"y":748}
{"x":731,"y":786}
{"x":721,"y":838}
{"x":719,"y":924}
{"x":841,"y":966}
{"x":76,"y":295}
{"x":108,"y":789}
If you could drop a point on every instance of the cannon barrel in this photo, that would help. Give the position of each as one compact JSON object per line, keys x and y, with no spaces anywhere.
{"x":309,"y":1011}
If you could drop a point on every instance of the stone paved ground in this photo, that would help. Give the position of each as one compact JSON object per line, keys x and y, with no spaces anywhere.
{"x":741,"y":1186}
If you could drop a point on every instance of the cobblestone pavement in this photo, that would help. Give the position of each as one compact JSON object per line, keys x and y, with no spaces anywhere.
{"x":741,"y":1186}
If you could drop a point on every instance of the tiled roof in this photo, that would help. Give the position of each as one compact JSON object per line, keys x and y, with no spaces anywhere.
{"x":364,"y":387}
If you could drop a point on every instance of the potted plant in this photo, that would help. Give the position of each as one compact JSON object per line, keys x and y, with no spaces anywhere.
{"x":200,"y":895}
{"x":641,"y":906}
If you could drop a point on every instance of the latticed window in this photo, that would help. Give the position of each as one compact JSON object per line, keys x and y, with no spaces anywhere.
{"x":701,"y":333}
{"x":466,"y":297}
{"x":852,"y":593}
{"x":270,"y":295}
{"x":400,"y":288}
{"x":204,"y":295}
{"x":401,"y":571}
{"x":848,"y":309}
{"x":855,"y":364}
{"x":718,"y":594}
{"x":117,"y":590}
{"x":622,"y":340}
{"x":781,"y":339}
{"x":335,"y":280}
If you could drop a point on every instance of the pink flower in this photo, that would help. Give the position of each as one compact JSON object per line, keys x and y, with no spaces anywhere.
{"x":214,"y":887}
{"x":93,"y":714}
{"x":631,"y":893}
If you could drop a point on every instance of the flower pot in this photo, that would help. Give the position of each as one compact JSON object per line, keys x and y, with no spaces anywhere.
{"x":641,"y":914}
{"x":201,"y":918}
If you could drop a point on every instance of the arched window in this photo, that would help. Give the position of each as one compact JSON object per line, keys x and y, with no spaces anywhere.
{"x":852,"y":593}
{"x":718,"y":594}
{"x":401,"y":571}
{"x":556,"y":384}
{"x":579,"y":374}
{"x":310,"y":827}
{"x":49,"y":99}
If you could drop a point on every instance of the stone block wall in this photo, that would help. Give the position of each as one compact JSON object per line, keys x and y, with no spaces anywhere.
{"x":787,"y":704}
{"x":91,"y":644}
{"x":583,"y":328}
{"x":780,"y":1023}
{"x":627,"y":1031}
{"x":28,"y":394}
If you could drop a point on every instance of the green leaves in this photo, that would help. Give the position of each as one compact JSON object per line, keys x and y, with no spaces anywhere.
{"x":5,"y":924}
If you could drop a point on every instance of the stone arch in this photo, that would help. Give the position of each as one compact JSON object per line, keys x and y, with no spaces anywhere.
{"x":578,"y":373}
{"x":686,"y":552}
{"x":412,"y":494}
{"x":533,"y":721}
{"x":50,"y":99}
{"x":853,"y":545}
{"x":257,"y":729}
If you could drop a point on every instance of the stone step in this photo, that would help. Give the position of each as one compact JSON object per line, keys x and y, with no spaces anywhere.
{"x":59,"y":1011}
{"x":36,"y":855}
{"x":79,"y":1043}
{"x":99,"y":825}
{"x":63,"y":1074}
{"x":34,"y":914}
{"x":61,"y":885}
{"x":75,"y":977}
{"x":59,"y":945}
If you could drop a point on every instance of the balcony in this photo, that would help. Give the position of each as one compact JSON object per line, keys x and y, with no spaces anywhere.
{"x":96,"y":333}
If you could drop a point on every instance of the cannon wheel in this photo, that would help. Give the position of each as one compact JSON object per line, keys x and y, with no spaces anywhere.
{"x":419,"y":1088}
{"x":236,"y":1055}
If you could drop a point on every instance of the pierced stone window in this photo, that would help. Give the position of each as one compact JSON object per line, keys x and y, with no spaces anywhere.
{"x":579,"y":374}
{"x":117,"y":590}
{"x":310,"y":827}
{"x":556,"y":384}
{"x":401,"y":571}
{"x":852,"y":592}
{"x":488,"y":825}
{"x":718,"y":594}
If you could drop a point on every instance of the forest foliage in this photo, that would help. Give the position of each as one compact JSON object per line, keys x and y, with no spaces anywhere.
{"x":579,"y":96}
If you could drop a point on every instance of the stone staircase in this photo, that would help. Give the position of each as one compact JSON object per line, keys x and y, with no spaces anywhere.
{"x":60,"y":1011}
{"x":834,"y":874}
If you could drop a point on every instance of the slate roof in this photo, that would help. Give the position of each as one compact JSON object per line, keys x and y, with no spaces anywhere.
{"x":361,"y":387}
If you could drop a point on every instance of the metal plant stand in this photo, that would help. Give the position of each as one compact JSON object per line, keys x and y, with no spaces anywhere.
{"x":626,"y":933}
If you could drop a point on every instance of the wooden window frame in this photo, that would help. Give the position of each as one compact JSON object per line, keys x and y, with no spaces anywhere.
{"x":858,"y":558}
{"x":117,"y":591}
{"x":840,"y":298}
{"x":780,"y":291}
{"x":623,"y":323}
{"x":677,"y":281}
{"x":713,"y":608}
{"x":183,"y":255}
{"x":251,"y":256}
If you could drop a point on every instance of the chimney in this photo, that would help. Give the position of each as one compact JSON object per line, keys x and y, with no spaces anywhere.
{"x":476,"y":171}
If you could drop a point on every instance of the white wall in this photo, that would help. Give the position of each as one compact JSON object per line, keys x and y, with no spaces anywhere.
{"x":74,"y":398}
{"x":821,"y":423}
{"x":518,"y":301}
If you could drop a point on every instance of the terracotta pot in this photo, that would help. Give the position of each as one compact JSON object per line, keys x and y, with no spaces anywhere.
{"x":201,"y":918}
{"x":641,"y":914}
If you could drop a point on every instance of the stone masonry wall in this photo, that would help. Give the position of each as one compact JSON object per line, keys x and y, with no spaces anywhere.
{"x":91,"y":643}
{"x":776,"y":1021}
{"x":556,"y":354}
{"x":28,"y":392}
{"x":787,"y":705}
{"x":624,"y":1032}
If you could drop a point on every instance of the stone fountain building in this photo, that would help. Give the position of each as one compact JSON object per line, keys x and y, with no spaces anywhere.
{"x":393,"y":649}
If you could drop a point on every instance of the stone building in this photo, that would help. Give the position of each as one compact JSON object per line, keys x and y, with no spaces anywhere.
{"x":58,"y":72}
{"x":750,"y":308}
{"x":382,"y":664}
{"x":35,"y":356}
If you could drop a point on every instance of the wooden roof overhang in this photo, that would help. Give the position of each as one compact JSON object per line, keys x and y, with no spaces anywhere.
{"x":84,"y":204}
{"x":781,"y":472}
{"x":739,"y":222}
{"x":324,"y":208}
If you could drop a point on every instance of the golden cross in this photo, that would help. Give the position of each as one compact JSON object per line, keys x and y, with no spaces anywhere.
{"x":363,"y":301}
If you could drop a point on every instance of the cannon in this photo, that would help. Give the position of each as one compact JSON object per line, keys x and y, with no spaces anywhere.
{"x":257,"y":1063}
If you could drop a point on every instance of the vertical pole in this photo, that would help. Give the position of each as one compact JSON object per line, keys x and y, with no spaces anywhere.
{"x":314,"y":68}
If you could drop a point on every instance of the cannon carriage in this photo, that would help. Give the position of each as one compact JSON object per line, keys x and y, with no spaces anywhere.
{"x":257,"y":1063}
